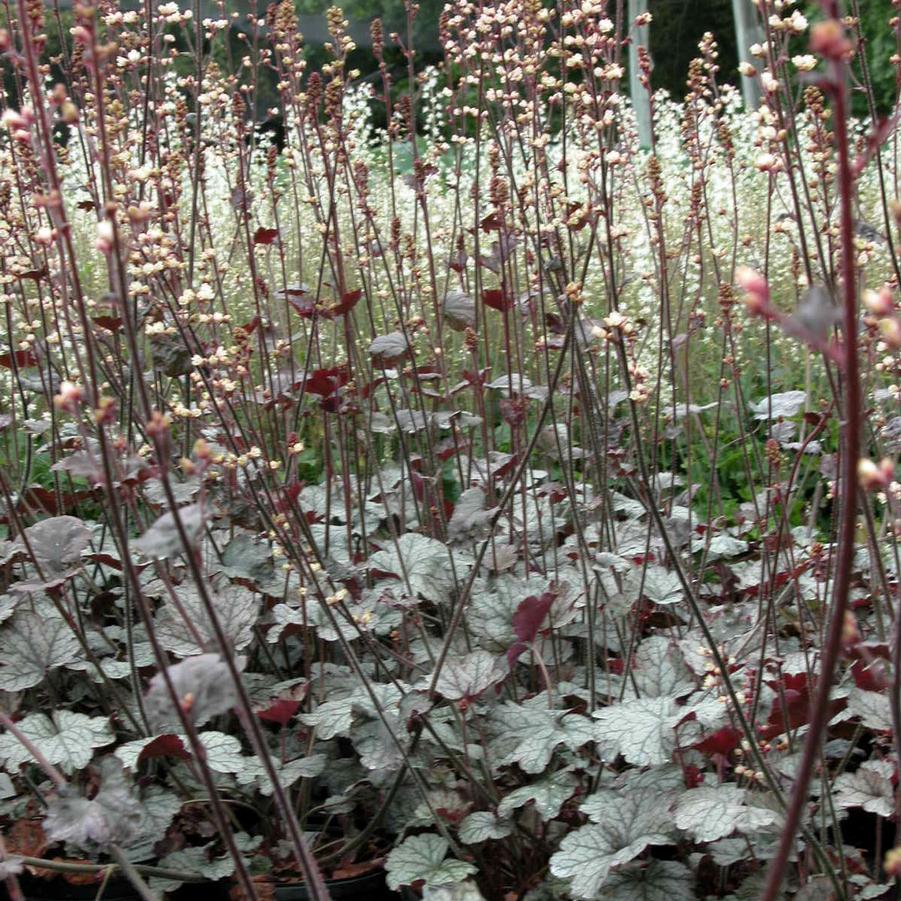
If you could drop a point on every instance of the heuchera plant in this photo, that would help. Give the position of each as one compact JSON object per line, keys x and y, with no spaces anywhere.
{"x":478,"y":497}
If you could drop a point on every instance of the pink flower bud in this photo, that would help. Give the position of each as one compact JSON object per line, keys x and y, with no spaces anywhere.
{"x":828,"y":39}
{"x":81,"y":35}
{"x":44,"y":235}
{"x":879,"y":303}
{"x":873,"y":477}
{"x":13,"y":119}
{"x":105,"y":236}
{"x":890,"y":330}
{"x":69,"y":397}
{"x":757,"y":291}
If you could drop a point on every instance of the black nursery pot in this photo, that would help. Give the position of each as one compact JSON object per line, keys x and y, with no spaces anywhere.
{"x":369,"y":887}
{"x":35,"y":889}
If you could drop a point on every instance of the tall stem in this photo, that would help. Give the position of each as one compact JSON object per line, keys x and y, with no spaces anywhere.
{"x":848,"y":488}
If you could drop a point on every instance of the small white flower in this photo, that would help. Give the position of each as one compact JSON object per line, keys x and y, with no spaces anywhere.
{"x":796,"y":22}
{"x":769,"y":81}
{"x":805,"y":62}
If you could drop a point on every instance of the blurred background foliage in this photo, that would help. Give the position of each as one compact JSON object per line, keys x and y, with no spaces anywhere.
{"x":677,"y":28}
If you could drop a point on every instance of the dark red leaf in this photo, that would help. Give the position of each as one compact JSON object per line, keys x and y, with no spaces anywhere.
{"x":450,"y":448}
{"x":164,"y":746}
{"x":110,"y":323}
{"x":497,"y":299}
{"x":265,"y":235}
{"x":721,"y":742}
{"x":106,"y":560}
{"x":491,"y":223}
{"x":348,"y":302}
{"x":530,"y":615}
{"x":791,"y":707}
{"x":325,"y":382}
{"x":870,"y":677}
{"x":527,"y":620}
{"x":280,"y":712}
{"x":331,"y":404}
{"x":20,"y":359}
{"x":289,"y":496}
{"x":367,"y":389}
{"x":38,"y":498}
{"x":304,"y":304}
{"x":476,"y":379}
{"x":458,"y":261}
{"x":693,"y":776}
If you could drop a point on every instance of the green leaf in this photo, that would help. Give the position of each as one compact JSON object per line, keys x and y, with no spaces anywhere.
{"x":194,"y":860}
{"x":658,"y":880}
{"x":870,"y":787}
{"x":872,"y":707}
{"x":205,"y":679}
{"x":642,"y":730}
{"x":468,"y":676}
{"x":33,"y":643}
{"x":247,"y":559}
{"x":223,"y":752}
{"x":656,"y":583}
{"x":67,"y":740}
{"x":236,"y":608}
{"x":481,"y":826}
{"x":57,"y":544}
{"x":547,"y":795}
{"x":712,"y":812}
{"x":113,"y":815}
{"x":162,"y":539}
{"x":460,"y":891}
{"x":158,"y":809}
{"x":631,"y":823}
{"x":425,"y":563}
{"x":528,"y":734}
{"x":659,"y":670}
{"x":424,"y":858}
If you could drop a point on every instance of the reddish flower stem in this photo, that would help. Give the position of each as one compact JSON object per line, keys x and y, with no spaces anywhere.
{"x":847,"y":523}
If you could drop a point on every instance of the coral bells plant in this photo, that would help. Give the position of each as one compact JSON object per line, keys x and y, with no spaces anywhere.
{"x":413,"y":478}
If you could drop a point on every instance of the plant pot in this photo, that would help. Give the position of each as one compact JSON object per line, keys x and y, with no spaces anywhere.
{"x":369,"y":887}
{"x":118,"y":889}
{"x":35,"y":889}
